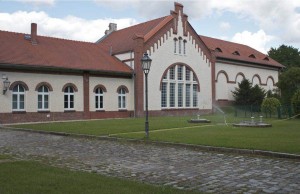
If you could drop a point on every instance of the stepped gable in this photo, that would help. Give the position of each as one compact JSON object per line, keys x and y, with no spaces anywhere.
{"x":122,"y":40}
{"x":238,"y":52}
{"x":33,"y":51}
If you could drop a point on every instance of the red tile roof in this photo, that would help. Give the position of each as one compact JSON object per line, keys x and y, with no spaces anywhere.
{"x":238,"y":52}
{"x":122,"y":40}
{"x":58,"y":53}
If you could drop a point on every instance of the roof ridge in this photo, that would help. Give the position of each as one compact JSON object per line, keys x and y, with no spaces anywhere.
{"x":140,"y":24}
{"x":226,"y":41}
{"x":49,"y":37}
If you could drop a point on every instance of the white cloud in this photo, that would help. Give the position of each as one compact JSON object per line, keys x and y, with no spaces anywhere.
{"x":38,"y":2}
{"x":70,"y":27}
{"x":224,"y":26}
{"x":273,"y":16}
{"x":258,"y":40}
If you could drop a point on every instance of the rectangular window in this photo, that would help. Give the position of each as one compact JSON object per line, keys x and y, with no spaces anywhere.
{"x":172,"y":73}
{"x":164,"y":94}
{"x":71,"y":101}
{"x":180,"y":72}
{"x":188,"y":95}
{"x":172,"y":94}
{"x":120,"y":101}
{"x":101,"y":102}
{"x":123,"y":102}
{"x":180,"y":95}
{"x":195,"y":96}
{"x":66,"y":100}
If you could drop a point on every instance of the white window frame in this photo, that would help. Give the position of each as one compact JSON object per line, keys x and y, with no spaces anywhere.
{"x":43,"y":95}
{"x":69,"y":94}
{"x":99,"y":96}
{"x":122,"y":99}
{"x":18,"y":94}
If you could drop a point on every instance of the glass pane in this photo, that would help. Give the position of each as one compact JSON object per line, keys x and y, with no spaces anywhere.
{"x":40,"y":97}
{"x":71,"y":104}
{"x":22,"y":97}
{"x":72,"y":98}
{"x":22,"y":105}
{"x":45,"y":89}
{"x":40,"y":105}
{"x":46,"y":98}
{"x":21,"y":89}
{"x":46,"y":105}
{"x":119,"y":102}
{"x":40,"y":89}
{"x":16,"y":88}
{"x":14,"y":105}
{"x":124,"y":103}
{"x":66,"y":104}
{"x":101,"y":101}
{"x":66,"y":98}
{"x":96,"y":101}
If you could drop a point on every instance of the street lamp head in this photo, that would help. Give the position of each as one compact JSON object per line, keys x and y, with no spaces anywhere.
{"x":146,"y":63}
{"x":6,"y":83}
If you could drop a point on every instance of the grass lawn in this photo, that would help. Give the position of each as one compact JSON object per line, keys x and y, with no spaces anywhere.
{"x":283,"y":136}
{"x":32,"y":177}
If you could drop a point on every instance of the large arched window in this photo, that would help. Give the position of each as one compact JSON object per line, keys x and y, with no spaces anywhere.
{"x":43,"y":98}
{"x":179,"y":87}
{"x":18,"y":98}
{"x":69,"y":98}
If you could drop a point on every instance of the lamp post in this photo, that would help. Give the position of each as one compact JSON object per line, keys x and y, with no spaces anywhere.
{"x":146,"y":64}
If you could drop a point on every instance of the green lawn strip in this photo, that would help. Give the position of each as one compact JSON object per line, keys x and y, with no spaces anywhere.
{"x":32,"y":177}
{"x":110,"y":126}
{"x":284,"y":136}
{"x":5,"y":157}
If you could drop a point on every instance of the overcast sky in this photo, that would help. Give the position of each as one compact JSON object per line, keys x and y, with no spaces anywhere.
{"x":260,"y":24}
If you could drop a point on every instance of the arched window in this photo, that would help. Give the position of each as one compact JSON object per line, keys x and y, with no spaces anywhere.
{"x":99,"y":99}
{"x":184,"y":47}
{"x":175,"y":45}
{"x":18,"y":98}
{"x":122,"y":98}
{"x":69,"y":98}
{"x":179,"y":45}
{"x":43,"y":98}
{"x":179,"y":90}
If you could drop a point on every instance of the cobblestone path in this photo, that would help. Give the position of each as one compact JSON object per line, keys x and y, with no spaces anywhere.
{"x":179,"y":167}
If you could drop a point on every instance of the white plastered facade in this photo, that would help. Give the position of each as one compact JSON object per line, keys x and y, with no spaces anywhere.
{"x":224,"y":89}
{"x":163,"y":56}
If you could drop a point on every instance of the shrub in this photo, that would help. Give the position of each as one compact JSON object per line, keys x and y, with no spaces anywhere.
{"x":270,"y":105}
{"x":296,"y":102}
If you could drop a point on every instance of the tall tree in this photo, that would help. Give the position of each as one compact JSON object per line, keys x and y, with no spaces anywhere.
{"x":286,"y":55}
{"x":289,"y":82}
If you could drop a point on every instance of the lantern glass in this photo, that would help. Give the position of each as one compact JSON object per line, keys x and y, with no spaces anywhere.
{"x":146,"y":63}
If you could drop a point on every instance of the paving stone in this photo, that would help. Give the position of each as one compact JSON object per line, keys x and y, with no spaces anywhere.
{"x":181,"y":168}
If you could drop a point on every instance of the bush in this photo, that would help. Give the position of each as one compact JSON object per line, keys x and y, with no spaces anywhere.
{"x":270,"y":105}
{"x":296,"y":102}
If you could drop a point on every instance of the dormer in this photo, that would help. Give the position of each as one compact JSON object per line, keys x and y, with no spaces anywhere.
{"x":266,"y":58}
{"x":218,"y":50}
{"x":252,"y":56}
{"x":236,"y":53}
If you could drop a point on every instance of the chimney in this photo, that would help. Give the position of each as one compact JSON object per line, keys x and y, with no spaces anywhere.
{"x":111,"y":28}
{"x":33,"y":33}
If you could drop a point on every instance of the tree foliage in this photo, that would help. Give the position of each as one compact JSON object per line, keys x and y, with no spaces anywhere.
{"x":289,"y":82}
{"x":270,"y":105}
{"x":296,"y":102}
{"x":286,"y":55}
{"x":245,"y":94}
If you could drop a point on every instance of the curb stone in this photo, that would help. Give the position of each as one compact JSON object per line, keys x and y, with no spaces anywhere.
{"x":188,"y":146}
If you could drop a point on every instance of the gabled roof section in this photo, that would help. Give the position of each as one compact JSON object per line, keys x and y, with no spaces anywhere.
{"x":246,"y":53}
{"x":16,"y":49}
{"x":122,"y":40}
